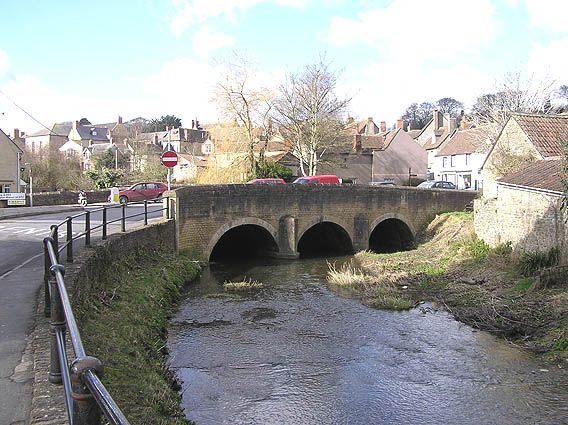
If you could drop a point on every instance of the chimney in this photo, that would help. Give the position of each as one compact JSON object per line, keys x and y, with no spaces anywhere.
{"x":16,"y":134}
{"x":193,"y":124}
{"x":155,"y":138}
{"x":196,"y":124}
{"x":349,"y":119}
{"x":119,"y":119}
{"x":400,"y":123}
{"x":383,"y":126}
{"x":436,"y":119}
{"x":463,"y":123}
{"x":357,"y":143}
{"x":452,"y":124}
{"x":75,"y":125}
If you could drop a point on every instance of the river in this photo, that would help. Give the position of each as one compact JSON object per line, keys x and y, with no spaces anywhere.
{"x":296,"y":352}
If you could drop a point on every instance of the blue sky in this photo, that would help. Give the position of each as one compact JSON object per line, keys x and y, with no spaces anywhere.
{"x":64,"y":60}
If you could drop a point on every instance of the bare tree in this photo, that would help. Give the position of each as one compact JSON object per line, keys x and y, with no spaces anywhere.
{"x":309,"y":113}
{"x":238,"y":98}
{"x":449,"y":105}
{"x":417,"y":115}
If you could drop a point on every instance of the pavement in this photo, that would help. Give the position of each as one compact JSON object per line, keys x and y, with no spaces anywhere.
{"x":20,"y":319}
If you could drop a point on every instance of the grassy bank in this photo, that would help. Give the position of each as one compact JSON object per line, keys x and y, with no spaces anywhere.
{"x":123,"y":323}
{"x":486,"y":288}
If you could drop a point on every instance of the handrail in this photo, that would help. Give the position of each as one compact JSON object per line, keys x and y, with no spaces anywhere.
{"x":85,"y":395}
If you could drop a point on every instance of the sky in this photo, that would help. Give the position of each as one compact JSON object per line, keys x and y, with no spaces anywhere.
{"x":66,"y":60}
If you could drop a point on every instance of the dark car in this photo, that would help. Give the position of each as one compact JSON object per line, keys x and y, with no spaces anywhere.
{"x":382,"y":184}
{"x":143,"y":191}
{"x":266,"y":181}
{"x":437,"y":184}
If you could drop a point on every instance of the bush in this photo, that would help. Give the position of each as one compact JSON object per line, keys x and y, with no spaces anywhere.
{"x":529,"y":263}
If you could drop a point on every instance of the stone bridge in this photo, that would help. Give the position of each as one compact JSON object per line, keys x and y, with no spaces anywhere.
{"x":285,"y":221}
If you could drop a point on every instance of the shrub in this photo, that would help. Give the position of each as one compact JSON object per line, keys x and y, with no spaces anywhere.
{"x":529,"y":263}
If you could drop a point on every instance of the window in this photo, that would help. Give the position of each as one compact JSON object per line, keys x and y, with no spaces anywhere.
{"x":452,"y":161}
{"x":445,"y":162}
{"x":207,"y":148}
{"x":7,"y":188}
{"x":467,"y":158}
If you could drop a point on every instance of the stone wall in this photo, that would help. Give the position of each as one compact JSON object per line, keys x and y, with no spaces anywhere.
{"x":67,"y":197}
{"x":204,"y":213}
{"x":530,"y":220}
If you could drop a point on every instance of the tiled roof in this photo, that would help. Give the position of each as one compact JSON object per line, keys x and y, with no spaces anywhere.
{"x":441,"y":136}
{"x":199,"y":161}
{"x":474,"y":140}
{"x":88,"y":132}
{"x":545,"y":175}
{"x":56,"y":130}
{"x":548,"y":133}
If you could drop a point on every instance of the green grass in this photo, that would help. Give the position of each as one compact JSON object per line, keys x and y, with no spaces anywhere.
{"x":123,"y":322}
{"x":524,"y":285}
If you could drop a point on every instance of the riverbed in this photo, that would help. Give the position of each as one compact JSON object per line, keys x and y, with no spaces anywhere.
{"x":298,"y":352}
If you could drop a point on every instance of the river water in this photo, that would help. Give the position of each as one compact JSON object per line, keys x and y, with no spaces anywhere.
{"x":296,"y":352}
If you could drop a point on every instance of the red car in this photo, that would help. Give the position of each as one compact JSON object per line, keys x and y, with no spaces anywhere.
{"x":267,"y":181}
{"x":142,"y":191}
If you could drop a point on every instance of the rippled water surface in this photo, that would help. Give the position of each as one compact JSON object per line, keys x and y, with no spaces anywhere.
{"x":295,"y":352}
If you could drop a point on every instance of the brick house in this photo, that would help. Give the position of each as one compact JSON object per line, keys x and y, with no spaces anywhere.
{"x":527,"y":213}
{"x":525,"y":138}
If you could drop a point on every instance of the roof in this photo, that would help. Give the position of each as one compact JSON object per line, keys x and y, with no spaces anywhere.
{"x":199,"y":161}
{"x":545,"y":175}
{"x":362,"y":127}
{"x":62,"y":129}
{"x":473,"y":140}
{"x":90,"y":132}
{"x":441,"y":136}
{"x":548,"y":133}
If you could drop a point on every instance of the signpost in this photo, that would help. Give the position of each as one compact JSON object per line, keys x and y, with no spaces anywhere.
{"x":169,"y":159}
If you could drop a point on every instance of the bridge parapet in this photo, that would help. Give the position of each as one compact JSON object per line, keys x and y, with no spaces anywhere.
{"x":284,"y":213}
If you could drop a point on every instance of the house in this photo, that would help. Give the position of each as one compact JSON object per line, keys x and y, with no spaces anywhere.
{"x":460,"y":159}
{"x":11,"y":151}
{"x":90,"y":154}
{"x":48,"y":140}
{"x":528,"y":211}
{"x":187,"y":167}
{"x":383,"y":155}
{"x":433,"y":136}
{"x":525,"y":138}
{"x":183,"y":140}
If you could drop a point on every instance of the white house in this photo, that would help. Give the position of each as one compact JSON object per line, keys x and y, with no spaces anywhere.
{"x":460,"y":159}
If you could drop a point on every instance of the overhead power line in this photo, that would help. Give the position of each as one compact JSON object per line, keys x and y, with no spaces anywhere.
{"x":26,"y":112}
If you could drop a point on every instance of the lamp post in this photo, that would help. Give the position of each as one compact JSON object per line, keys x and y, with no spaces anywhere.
{"x":29,"y":164}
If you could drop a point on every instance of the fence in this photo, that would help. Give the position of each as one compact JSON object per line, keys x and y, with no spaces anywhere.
{"x":85,"y":395}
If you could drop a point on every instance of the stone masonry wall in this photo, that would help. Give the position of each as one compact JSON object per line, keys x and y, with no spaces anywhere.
{"x":531,"y":221}
{"x":204,"y":213}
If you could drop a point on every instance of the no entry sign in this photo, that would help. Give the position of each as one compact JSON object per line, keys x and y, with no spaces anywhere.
{"x":169,"y":159}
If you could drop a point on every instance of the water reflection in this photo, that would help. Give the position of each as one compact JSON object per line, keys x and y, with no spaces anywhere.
{"x":297,"y":353}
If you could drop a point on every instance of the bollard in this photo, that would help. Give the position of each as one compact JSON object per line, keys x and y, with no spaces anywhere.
{"x":104,"y":223}
{"x":69,"y":239}
{"x":57,"y":322}
{"x":86,"y":411}
{"x":88,"y":228}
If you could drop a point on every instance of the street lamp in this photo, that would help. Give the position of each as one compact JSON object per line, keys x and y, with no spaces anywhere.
{"x":29,"y":164}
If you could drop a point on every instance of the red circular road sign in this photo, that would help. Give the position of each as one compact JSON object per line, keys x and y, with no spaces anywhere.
{"x":169,"y":159}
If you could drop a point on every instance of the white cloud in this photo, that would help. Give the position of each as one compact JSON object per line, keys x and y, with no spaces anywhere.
{"x":550,"y":61}
{"x":204,"y":41}
{"x":190,"y":12}
{"x":426,"y":30}
{"x":548,"y":14}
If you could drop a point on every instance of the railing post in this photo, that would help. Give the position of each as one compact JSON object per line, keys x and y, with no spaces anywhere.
{"x":69,"y":239}
{"x":145,"y":212}
{"x":167,"y":208}
{"x":123,"y":219}
{"x":57,"y":322}
{"x":86,"y":411}
{"x":46,"y":275}
{"x":55,"y":233}
{"x":104,"y":223}
{"x":87,"y":228}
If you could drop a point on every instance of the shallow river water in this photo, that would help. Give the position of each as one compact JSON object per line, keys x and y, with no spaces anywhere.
{"x":296,"y":352}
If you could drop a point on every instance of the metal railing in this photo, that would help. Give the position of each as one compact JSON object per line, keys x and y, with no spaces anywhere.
{"x":85,"y":395}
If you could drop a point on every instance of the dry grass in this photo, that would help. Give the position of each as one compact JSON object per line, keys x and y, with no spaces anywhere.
{"x":242,"y":286}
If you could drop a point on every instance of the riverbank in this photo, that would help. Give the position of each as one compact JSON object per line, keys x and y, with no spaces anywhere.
{"x":486,"y":288}
{"x":123,"y":322}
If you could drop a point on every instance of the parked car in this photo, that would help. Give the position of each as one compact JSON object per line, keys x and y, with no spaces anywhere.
{"x":143,"y":191}
{"x":267,"y":181}
{"x":437,"y":184}
{"x":382,"y":184}
{"x":325,"y":179}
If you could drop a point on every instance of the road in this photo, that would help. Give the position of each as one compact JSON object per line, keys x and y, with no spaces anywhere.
{"x":21,"y":272}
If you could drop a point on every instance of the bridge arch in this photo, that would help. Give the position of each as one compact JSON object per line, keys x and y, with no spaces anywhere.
{"x":268,"y":232}
{"x":391,"y":232}
{"x":323,"y":233}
